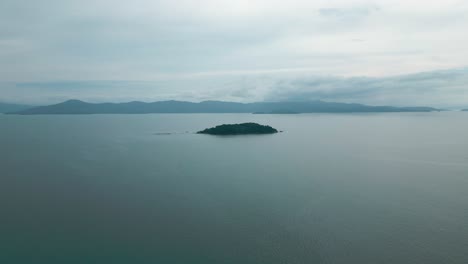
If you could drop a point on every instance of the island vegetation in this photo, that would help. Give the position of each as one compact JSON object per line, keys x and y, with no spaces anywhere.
{"x":239,"y":129}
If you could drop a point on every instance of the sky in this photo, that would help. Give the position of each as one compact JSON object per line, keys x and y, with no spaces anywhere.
{"x":393,"y":52}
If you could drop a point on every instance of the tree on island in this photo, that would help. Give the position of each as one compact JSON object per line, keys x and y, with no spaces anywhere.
{"x":239,"y":129}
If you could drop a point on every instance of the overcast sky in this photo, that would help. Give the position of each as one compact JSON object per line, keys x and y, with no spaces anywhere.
{"x":397,"y":52}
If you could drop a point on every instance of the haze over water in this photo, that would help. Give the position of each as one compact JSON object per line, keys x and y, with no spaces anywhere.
{"x":332,"y":188}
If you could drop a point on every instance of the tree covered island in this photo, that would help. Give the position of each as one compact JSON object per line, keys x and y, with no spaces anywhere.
{"x":239,"y":129}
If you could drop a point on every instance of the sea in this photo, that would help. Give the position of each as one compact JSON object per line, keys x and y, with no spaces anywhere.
{"x":142,"y":189}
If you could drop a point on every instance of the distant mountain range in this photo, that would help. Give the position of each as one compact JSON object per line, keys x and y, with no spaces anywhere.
{"x":80,"y":107}
{"x":6,"y":108}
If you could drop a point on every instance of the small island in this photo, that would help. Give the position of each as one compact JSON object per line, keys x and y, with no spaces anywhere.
{"x":239,"y":129}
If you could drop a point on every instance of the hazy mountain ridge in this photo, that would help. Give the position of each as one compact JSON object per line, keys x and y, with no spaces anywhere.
{"x":6,"y":107}
{"x":80,"y":107}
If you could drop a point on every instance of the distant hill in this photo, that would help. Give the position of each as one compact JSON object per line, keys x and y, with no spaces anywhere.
{"x":80,"y":107}
{"x":279,"y":112}
{"x":465,"y":110}
{"x":5,"y":107}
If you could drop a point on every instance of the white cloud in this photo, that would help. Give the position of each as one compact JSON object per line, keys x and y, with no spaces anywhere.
{"x":148,"y":40}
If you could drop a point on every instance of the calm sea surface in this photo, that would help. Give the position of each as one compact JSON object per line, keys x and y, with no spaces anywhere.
{"x":332,"y":188}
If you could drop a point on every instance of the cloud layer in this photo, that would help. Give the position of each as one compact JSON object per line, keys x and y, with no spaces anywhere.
{"x":248,"y":49}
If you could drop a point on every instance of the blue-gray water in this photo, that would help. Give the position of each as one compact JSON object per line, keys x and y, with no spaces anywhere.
{"x":364,"y":188}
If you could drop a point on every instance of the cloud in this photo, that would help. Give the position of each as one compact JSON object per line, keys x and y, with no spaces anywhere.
{"x":234,"y":50}
{"x":448,"y":89}
{"x":138,"y":40}
{"x":347,"y":13}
